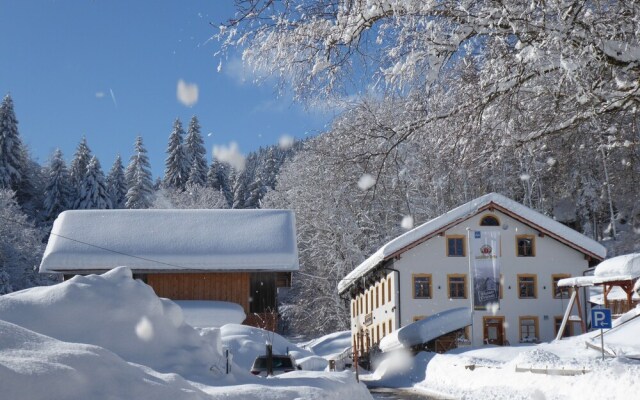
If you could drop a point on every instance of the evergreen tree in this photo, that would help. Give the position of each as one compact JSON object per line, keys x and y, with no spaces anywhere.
{"x":196,"y":153}
{"x":176,"y":170}
{"x":93,"y":190}
{"x":12,"y":153}
{"x":239,"y":189}
{"x":57,"y":191}
{"x":116,"y":184}
{"x":218,"y":178}
{"x":138,"y":177}
{"x":79,"y":165}
{"x":256,"y":192}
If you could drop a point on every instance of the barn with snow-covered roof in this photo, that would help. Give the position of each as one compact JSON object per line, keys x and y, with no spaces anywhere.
{"x":238,"y":256}
{"x":427,"y":275}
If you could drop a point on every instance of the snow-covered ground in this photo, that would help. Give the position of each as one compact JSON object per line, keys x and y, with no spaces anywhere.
{"x":505,"y":372}
{"x":109,"y":336}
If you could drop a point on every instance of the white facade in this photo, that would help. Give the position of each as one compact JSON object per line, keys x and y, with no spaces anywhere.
{"x":529,"y":308}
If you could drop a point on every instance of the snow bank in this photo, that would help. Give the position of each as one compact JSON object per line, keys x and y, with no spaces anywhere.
{"x":297,"y":385}
{"x":627,"y":265}
{"x":246,"y":343}
{"x":210,"y":314}
{"x":611,"y":379}
{"x":37,"y":367}
{"x":110,"y":336}
{"x":622,"y":340}
{"x":427,"y":329}
{"x":118,"y":313}
{"x":331,"y":345}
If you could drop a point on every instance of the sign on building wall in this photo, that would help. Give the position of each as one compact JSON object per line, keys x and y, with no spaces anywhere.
{"x":485,"y":268}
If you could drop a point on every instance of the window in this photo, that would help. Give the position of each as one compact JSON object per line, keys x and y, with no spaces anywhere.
{"x":527,"y":287}
{"x":360,"y":303}
{"x":378,"y":333}
{"x":390,"y":326}
{"x":353,"y":309}
{"x":366,"y":303}
{"x":525,"y":246}
{"x":382,"y":292}
{"x":489,"y":220}
{"x":384,"y":331}
{"x":558,"y":323}
{"x":389,"y":288}
{"x":422,"y":286}
{"x":559,"y":292}
{"x":455,"y":246}
{"x":529,"y":329}
{"x":377,"y":295}
{"x":457,"y":286}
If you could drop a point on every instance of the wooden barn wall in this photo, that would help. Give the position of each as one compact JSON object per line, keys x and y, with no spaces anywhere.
{"x":233,"y":287}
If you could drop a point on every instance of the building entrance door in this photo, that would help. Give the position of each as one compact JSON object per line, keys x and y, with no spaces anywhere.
{"x":494,"y":330}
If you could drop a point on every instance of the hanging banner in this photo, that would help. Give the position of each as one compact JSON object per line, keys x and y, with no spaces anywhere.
{"x":485,"y":266}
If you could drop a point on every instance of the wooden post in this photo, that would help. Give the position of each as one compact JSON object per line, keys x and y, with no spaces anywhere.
{"x":583,"y":324}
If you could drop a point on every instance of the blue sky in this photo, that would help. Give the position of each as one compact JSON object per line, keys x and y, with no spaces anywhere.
{"x":62,"y":59}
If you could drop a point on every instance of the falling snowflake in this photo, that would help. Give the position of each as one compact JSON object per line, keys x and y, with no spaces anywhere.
{"x":407,"y":222}
{"x":187,"y":93}
{"x":366,"y":182}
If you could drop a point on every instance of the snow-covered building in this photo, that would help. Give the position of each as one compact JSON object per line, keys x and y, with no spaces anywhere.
{"x":426,"y":271}
{"x":239,"y":256}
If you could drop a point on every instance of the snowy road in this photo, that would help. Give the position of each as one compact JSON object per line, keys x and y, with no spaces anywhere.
{"x":384,"y":393}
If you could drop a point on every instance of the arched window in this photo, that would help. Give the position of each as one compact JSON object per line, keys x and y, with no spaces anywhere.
{"x":489,"y":220}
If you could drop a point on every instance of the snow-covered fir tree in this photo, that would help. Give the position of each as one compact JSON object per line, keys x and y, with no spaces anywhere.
{"x":57,"y":194}
{"x":176,"y":172}
{"x":138,"y":177}
{"x":12,"y":153}
{"x":218,"y":178}
{"x":193,"y":197}
{"x":239,"y":189}
{"x":196,"y":153}
{"x":93,"y":189}
{"x":78,"y":167}
{"x":117,"y":184}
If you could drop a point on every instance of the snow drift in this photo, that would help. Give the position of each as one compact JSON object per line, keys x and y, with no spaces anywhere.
{"x":37,"y":367}
{"x":118,"y":313}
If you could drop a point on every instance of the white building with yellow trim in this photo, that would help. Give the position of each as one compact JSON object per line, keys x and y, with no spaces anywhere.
{"x":425,"y":272}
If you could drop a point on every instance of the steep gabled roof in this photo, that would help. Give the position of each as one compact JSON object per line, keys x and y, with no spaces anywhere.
{"x":172,"y":240}
{"x":495,"y":201}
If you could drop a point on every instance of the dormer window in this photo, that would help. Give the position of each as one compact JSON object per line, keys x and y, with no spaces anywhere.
{"x":489,"y":220}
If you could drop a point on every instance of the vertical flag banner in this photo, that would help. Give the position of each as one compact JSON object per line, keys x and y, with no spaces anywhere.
{"x":485,"y":263}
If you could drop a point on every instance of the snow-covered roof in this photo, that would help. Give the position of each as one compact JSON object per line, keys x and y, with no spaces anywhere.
{"x":518,"y":211}
{"x":621,"y":268}
{"x":427,"y":329}
{"x":625,"y":265}
{"x":172,"y":240}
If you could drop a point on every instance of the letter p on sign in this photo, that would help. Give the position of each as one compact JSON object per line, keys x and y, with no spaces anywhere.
{"x":601,"y":318}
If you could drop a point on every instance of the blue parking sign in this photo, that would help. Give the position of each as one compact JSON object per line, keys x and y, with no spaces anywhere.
{"x":601,"y":318}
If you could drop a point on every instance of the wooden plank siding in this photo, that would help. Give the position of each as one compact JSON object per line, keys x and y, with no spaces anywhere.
{"x":222,"y":286}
